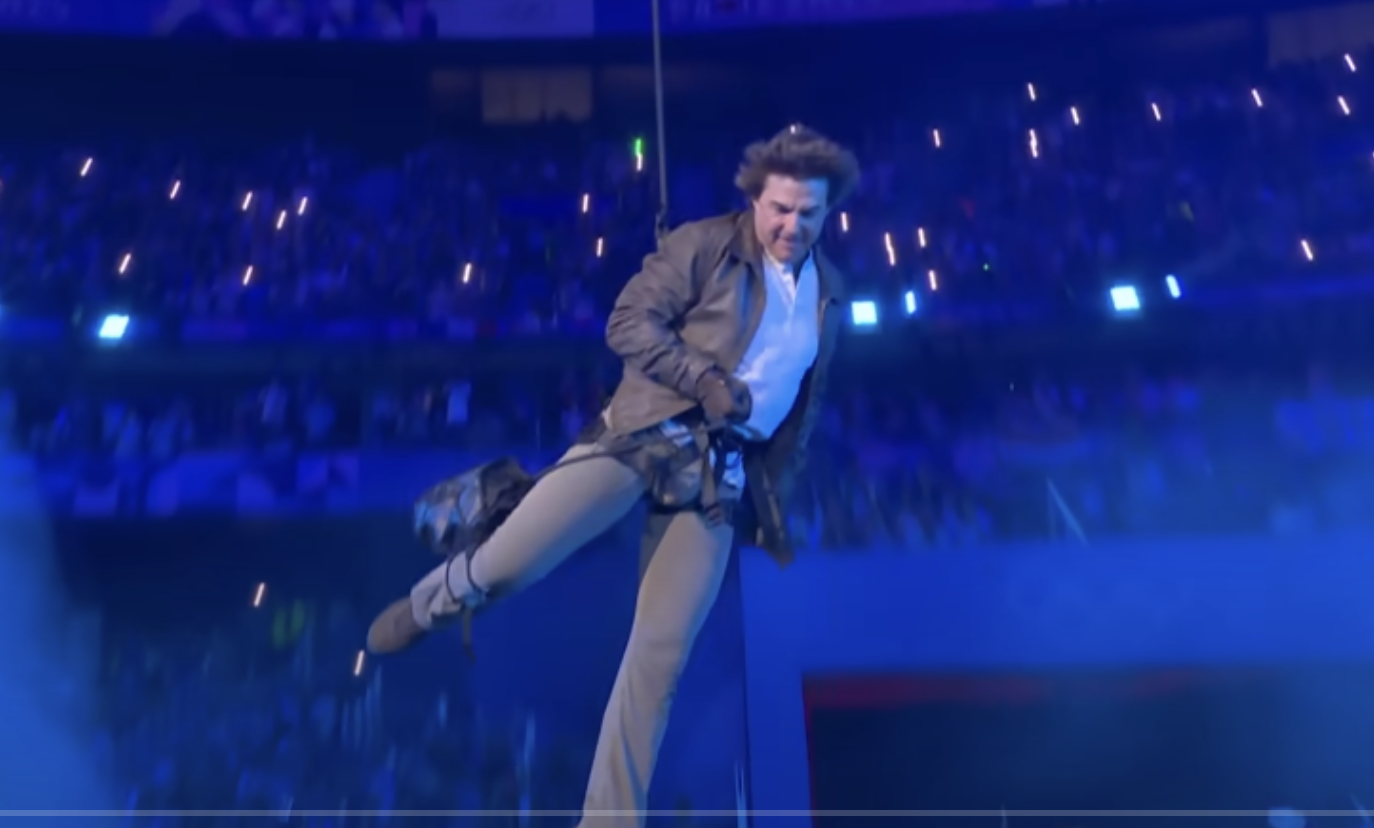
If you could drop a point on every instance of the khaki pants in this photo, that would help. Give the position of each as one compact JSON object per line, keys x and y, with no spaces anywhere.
{"x":565,"y":510}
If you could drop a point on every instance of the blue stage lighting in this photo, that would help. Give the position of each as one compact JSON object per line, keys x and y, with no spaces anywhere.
{"x":113,"y":327}
{"x":1125,"y":299}
{"x":864,"y":314}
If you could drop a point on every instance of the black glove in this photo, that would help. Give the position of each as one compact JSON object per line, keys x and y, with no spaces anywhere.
{"x":724,"y":398}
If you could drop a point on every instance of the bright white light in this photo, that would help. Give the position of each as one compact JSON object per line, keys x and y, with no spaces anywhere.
{"x":175,"y":191}
{"x":247,"y":201}
{"x":258,"y":595}
{"x":933,"y":279}
{"x":1073,"y":113}
{"x":281,"y":219}
{"x":86,"y":167}
{"x":921,"y":237}
{"x":247,"y":275}
{"x":891,"y":252}
{"x":1259,"y":101}
{"x":1307,"y":250}
{"x":639,"y":163}
{"x":300,"y":208}
{"x":1350,"y":63}
{"x":1159,"y":116}
{"x":1125,"y":299}
{"x":358,"y":662}
{"x":844,"y":222}
{"x":935,"y":136}
{"x":113,"y":327}
{"x":1034,"y":142}
{"x":864,"y":314}
{"x":586,"y":203}
{"x":1345,"y":107}
{"x":909,"y":301}
{"x":1030,"y":91}
{"x":600,"y":246}
{"x":1171,"y":284}
{"x":124,"y":263}
{"x":467,"y":273}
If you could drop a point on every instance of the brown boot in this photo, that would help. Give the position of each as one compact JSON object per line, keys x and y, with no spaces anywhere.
{"x":395,"y":629}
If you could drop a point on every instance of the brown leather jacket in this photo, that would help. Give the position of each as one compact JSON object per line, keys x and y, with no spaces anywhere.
{"x":695,"y":305}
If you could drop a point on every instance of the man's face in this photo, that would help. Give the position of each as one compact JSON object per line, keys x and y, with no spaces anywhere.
{"x":789,"y":215}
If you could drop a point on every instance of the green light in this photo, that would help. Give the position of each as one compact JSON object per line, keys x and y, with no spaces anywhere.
{"x":639,"y":146}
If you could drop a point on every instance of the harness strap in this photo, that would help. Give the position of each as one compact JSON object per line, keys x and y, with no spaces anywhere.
{"x":715,"y":448}
{"x":469,"y":605}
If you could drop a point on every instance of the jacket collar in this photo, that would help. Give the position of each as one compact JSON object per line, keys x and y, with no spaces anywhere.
{"x":745,"y":246}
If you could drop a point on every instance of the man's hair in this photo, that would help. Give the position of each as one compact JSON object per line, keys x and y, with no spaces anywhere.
{"x":802,"y":154}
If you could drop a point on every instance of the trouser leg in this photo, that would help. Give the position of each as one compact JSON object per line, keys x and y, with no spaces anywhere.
{"x":564,"y":510}
{"x":679,"y":586}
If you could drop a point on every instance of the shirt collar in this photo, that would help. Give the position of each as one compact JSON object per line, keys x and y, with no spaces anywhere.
{"x":786,"y":268}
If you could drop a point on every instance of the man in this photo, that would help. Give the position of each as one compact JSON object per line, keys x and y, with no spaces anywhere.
{"x":728,"y":327}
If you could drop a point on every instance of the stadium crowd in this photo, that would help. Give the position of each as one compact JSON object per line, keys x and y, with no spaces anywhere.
{"x":284,"y":734}
{"x":951,"y":461}
{"x":1038,"y":198}
{"x":1041,"y":196}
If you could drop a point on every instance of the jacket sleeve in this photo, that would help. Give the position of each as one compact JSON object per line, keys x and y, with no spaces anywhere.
{"x":643,"y":326}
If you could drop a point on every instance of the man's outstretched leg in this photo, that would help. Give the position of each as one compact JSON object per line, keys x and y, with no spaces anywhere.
{"x":679,"y":587}
{"x":565,"y":510}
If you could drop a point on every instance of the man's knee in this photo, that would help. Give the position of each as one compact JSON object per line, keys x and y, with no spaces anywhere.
{"x":657,"y":654}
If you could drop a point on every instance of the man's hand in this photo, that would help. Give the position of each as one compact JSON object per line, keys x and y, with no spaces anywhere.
{"x":724,"y":398}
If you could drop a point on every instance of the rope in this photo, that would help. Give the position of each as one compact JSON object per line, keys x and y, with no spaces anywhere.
{"x":660,"y":131}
